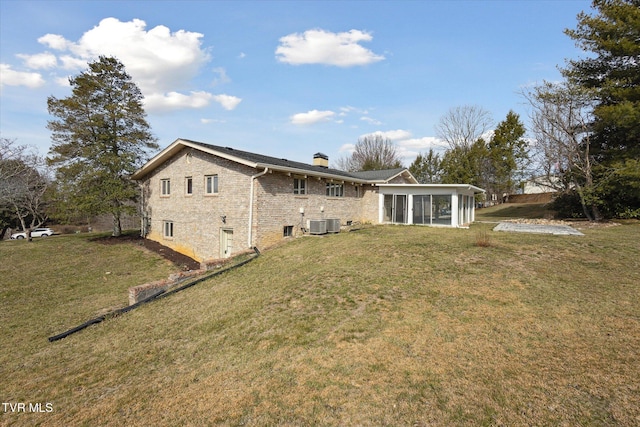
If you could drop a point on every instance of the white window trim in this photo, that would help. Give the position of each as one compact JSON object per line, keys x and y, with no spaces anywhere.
{"x":165,"y":190}
{"x":215,"y":184}
{"x":167,"y":229}
{"x":186,"y":186}
{"x":300,"y":190}
{"x":334,"y":190}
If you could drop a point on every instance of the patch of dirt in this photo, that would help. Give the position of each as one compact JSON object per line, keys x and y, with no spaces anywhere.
{"x":183,"y":262}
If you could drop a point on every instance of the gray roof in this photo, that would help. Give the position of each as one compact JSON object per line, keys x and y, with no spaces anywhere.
{"x":379,"y":175}
{"x":262,"y":159}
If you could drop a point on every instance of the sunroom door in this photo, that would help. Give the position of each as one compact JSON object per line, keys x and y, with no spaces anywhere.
{"x":400,"y":205}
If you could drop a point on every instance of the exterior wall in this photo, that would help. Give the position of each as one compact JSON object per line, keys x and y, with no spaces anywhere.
{"x":197,"y":218}
{"x":370,"y":204}
{"x":276,"y":206}
{"x":399,"y":180}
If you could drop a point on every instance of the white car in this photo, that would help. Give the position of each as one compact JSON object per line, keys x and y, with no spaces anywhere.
{"x":36,"y":232}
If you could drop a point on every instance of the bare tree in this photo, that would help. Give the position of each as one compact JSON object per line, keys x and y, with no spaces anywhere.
{"x":462,"y":126}
{"x":23,"y":183}
{"x":372,"y":152}
{"x":561,"y":115}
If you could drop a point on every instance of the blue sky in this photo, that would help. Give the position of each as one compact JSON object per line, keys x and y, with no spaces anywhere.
{"x":287,"y":78}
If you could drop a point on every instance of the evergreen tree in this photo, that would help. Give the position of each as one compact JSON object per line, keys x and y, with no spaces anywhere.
{"x":100,"y":137}
{"x":612,"y":75}
{"x":471,"y":165}
{"x":508,"y":153}
{"x":427,"y":169}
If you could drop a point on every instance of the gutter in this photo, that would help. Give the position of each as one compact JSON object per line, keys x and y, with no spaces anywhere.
{"x":253,"y":178}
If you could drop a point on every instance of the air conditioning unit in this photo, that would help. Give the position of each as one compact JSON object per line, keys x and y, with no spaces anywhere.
{"x":317,"y":226}
{"x":333,"y":225}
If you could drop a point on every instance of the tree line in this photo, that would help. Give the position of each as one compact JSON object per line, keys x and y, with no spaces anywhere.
{"x":584,"y":135}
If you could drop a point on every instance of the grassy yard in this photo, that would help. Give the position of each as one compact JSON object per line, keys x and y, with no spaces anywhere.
{"x":514,"y":210}
{"x":390,"y":325}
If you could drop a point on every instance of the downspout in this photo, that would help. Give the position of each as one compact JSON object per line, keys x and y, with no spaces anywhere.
{"x":258,"y":175}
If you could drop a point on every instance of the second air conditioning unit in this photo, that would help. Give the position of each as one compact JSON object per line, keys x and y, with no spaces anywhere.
{"x":333,"y":225}
{"x":317,"y":226}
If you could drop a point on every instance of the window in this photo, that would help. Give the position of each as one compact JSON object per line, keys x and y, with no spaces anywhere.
{"x":188,"y":185}
{"x":211,"y":184}
{"x":168,"y":228}
{"x":441,"y":210}
{"x":335,"y":190}
{"x":422,"y":209}
{"x":299,"y":186}
{"x":287,"y":231}
{"x":165,"y":187}
{"x":358,"y":191}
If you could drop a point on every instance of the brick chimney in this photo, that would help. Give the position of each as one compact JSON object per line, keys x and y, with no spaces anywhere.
{"x":321,"y":160}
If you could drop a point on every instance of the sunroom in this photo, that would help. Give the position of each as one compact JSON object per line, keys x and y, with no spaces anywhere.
{"x":444,"y":205}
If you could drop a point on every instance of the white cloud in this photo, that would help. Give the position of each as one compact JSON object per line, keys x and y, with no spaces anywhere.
{"x":72,"y":63}
{"x":175,"y":101}
{"x":222,"y":76}
{"x":423,"y":144}
{"x":393,"y":135}
{"x":371,"y":120}
{"x":62,"y":81}
{"x":161,"y":62}
{"x":409,"y":149}
{"x":158,"y":60}
{"x":324,"y":47}
{"x":348,"y":148}
{"x":11,"y":77}
{"x":54,"y":41}
{"x":310,"y":117}
{"x":39,"y":61}
{"x":228,"y":102}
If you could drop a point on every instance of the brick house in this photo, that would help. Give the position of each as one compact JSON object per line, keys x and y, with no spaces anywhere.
{"x":208,"y":202}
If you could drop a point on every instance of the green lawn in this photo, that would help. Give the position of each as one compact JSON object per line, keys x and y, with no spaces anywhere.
{"x":514,"y":210}
{"x":389,"y":325}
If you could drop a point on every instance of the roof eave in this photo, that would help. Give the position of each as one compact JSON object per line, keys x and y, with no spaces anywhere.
{"x":307,"y":172}
{"x":174,"y":148}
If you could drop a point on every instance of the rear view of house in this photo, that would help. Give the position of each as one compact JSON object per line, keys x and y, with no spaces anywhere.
{"x":209,"y":202}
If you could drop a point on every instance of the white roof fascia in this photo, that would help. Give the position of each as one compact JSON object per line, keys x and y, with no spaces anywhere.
{"x":456,"y":186}
{"x":312,"y":173}
{"x":219,"y":154}
{"x":174,"y":148}
{"x":179,"y":144}
{"x":402,"y":172}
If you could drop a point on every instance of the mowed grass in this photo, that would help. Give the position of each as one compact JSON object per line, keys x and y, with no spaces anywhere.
{"x":390,"y":325}
{"x":514,"y":210}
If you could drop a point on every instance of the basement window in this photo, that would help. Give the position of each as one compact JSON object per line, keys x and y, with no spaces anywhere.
{"x":168,"y":228}
{"x":287,"y":231}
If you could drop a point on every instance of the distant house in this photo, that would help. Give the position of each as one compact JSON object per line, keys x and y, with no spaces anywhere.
{"x":542,"y":184}
{"x":208,"y":201}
